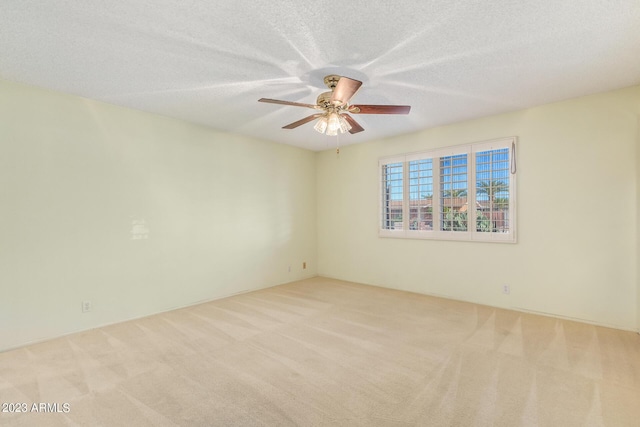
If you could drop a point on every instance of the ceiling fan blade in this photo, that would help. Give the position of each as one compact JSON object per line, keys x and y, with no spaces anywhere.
{"x":301,"y":121}
{"x":355,"y":127}
{"x":295,"y":104}
{"x":380,"y":109}
{"x":344,"y":90}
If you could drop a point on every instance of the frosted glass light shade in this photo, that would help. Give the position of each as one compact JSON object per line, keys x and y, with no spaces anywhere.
{"x":344,"y":125}
{"x":321,"y":125}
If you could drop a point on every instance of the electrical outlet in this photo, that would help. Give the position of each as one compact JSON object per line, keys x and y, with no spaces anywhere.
{"x":86,"y":306}
{"x":506,"y":289}
{"x":304,"y":265}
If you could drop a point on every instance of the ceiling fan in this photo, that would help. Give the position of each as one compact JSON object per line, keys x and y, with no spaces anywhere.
{"x":334,"y":108}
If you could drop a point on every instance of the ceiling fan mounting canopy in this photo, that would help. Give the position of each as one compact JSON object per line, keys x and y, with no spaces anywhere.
{"x":335,"y":106}
{"x":331,"y":81}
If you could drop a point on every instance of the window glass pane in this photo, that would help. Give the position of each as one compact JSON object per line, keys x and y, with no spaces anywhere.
{"x":492,"y":191}
{"x":453,"y":193}
{"x":392,"y":193}
{"x":421,"y":194}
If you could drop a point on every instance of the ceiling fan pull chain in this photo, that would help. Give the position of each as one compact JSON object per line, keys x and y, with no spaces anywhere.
{"x":514,"y":166}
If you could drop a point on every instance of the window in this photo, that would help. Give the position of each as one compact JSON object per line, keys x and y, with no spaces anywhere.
{"x":465,"y":192}
{"x":392,"y":211}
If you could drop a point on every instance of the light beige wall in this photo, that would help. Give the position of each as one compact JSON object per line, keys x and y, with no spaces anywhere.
{"x":225,"y":214}
{"x":638,"y":221}
{"x":577,"y":215}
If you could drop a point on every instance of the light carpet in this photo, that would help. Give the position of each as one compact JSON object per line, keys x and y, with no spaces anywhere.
{"x":323,"y":352}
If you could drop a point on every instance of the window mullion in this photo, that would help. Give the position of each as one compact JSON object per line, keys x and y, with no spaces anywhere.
{"x":435,"y":203}
{"x":472,"y":203}
{"x":405,"y":198}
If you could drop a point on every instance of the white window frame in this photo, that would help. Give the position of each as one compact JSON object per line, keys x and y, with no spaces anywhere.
{"x":471,"y":234}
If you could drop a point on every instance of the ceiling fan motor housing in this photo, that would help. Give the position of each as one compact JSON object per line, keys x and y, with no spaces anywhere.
{"x":324,"y":100}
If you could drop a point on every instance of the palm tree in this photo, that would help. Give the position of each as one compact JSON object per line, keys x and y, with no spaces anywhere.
{"x":455,"y":193}
{"x":492,"y":188}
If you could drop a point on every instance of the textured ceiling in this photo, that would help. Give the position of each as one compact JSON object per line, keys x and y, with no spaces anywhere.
{"x":209,"y":62}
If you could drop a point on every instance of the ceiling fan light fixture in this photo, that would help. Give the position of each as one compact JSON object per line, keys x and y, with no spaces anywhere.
{"x":344,"y":125}
{"x":334,"y":122}
{"x":321,"y":125}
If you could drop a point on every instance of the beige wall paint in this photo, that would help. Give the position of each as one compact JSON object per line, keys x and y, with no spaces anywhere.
{"x":638,"y":221}
{"x":225,"y":214}
{"x":577,"y":244}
